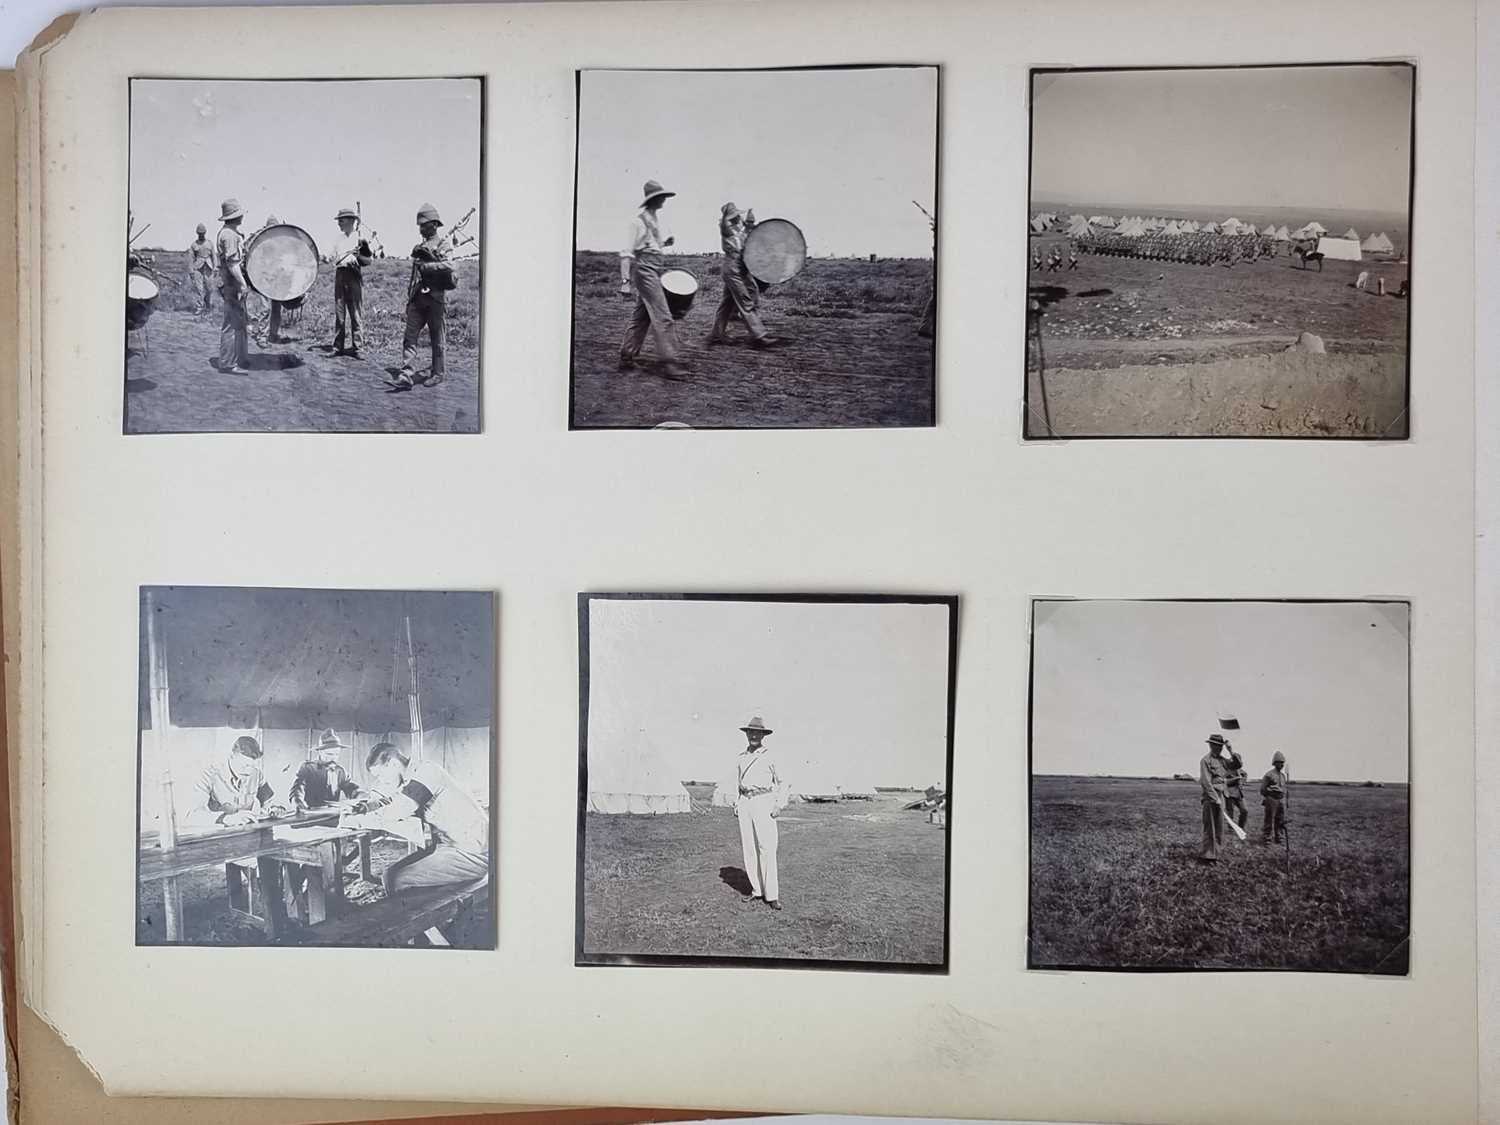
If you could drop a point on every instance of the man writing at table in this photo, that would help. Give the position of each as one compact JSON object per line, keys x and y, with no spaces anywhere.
{"x":233,"y":792}
{"x":460,"y":851}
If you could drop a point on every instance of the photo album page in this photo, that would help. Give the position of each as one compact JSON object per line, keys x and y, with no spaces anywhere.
{"x":853,"y":557}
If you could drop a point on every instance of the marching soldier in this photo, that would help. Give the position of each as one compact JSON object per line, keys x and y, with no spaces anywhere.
{"x":643,"y":253}
{"x":350,"y":255}
{"x":1213,"y":779}
{"x":1273,"y":800}
{"x":741,"y":297}
{"x":427,"y":298}
{"x":201,"y":267}
{"x":762,"y":794}
{"x":234,"y":332}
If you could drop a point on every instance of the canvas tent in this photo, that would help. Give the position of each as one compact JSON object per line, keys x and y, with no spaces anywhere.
{"x":813,"y":781}
{"x":1231,"y":225}
{"x":1131,"y":228}
{"x":1079,"y":227}
{"x":1038,"y":224}
{"x":628,"y":774}
{"x":1211,"y":228}
{"x":856,"y":788}
{"x":1339,"y":249}
{"x":1378,"y":244}
{"x":1282,"y":234}
{"x":284,"y":665}
{"x":1352,"y":233}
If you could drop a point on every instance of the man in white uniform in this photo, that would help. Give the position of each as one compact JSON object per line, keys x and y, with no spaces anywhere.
{"x":762,"y":794}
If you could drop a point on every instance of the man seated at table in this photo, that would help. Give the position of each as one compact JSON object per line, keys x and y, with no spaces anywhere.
{"x":233,"y":792}
{"x":460,"y":851}
{"x":321,"y":780}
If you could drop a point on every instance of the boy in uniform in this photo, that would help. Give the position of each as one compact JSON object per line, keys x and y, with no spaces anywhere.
{"x":427,"y":298}
{"x":1273,"y":800}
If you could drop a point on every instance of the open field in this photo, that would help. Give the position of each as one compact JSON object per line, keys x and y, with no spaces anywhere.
{"x":1116,"y":883}
{"x":850,"y":354}
{"x":301,"y":386}
{"x":1149,"y":347}
{"x":860,"y":881}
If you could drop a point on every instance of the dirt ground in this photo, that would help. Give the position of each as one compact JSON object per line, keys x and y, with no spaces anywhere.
{"x":860,"y":881}
{"x":1116,"y":882}
{"x":849,"y":354}
{"x":170,"y":386}
{"x":1124,"y":346}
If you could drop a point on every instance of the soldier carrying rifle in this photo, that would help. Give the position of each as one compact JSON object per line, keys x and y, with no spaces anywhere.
{"x":427,"y":298}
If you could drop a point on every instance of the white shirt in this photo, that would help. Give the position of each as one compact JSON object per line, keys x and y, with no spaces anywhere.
{"x":343,"y":246}
{"x":647,"y":232}
{"x":758,"y":770}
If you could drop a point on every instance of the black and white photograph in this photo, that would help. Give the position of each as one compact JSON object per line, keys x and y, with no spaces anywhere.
{"x":1220,"y":252}
{"x":303,"y":256}
{"x":755,"y":248}
{"x":1220,"y":785}
{"x":316,"y":768}
{"x":764,"y":780}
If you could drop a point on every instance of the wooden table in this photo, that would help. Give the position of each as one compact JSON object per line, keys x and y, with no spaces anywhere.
{"x":214,"y":847}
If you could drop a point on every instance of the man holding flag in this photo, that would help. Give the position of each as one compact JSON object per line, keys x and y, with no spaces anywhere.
{"x":1213,"y":780}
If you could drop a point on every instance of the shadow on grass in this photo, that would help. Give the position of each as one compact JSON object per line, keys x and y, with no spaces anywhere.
{"x":736,"y":878}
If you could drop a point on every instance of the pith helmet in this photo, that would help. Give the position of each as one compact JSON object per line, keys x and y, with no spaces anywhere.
{"x":651,"y":190}
{"x":230,"y":209}
{"x":755,"y":726}
{"x":347,"y":213}
{"x":427,"y":213}
{"x":1278,"y":759}
{"x":202,"y":229}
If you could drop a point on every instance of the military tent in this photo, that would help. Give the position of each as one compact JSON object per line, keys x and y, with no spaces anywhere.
{"x":1231,"y":225}
{"x":1282,"y":234}
{"x":1339,"y":249}
{"x":813,"y":781}
{"x":1352,"y":233}
{"x":1079,"y":227}
{"x":1105,"y":221}
{"x":283,"y":665}
{"x":627,"y":774}
{"x":1038,"y":224}
{"x":856,"y":789}
{"x":1378,"y":244}
{"x":1131,"y":228}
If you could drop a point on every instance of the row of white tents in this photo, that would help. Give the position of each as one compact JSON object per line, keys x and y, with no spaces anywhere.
{"x":653,"y":796}
{"x":1138,"y":226}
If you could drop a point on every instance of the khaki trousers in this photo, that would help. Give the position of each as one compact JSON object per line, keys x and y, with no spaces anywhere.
{"x":1213,"y":830}
{"x":234,"y":332}
{"x":434,"y":314}
{"x":740,"y":301}
{"x":348,"y":308}
{"x":443,"y":865}
{"x":651,"y":311}
{"x":758,"y":837}
{"x":1274,"y":825}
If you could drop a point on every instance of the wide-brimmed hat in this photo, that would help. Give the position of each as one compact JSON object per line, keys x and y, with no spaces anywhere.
{"x":1216,"y":740}
{"x":651,"y":190}
{"x":230,"y":209}
{"x":755,"y":726}
{"x":427,"y":213}
{"x":346,"y":213}
{"x":329,"y":741}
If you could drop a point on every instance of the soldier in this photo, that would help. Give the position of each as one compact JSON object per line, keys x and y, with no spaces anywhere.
{"x":741,"y":298}
{"x":762,"y":794}
{"x":350,"y":254}
{"x":641,"y":261}
{"x":1073,"y":256}
{"x":201,"y":267}
{"x":1234,"y":789}
{"x":1273,"y":788}
{"x":232,"y":792}
{"x":234,"y":332}
{"x":1036,"y":258}
{"x":1213,"y":776}
{"x":322,"y":780}
{"x":427,"y":298}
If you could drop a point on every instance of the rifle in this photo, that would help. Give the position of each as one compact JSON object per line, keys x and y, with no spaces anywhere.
{"x":1286,"y":819}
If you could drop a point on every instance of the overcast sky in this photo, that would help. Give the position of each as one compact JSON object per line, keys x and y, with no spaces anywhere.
{"x":300,"y":151}
{"x":841,"y":153}
{"x":1316,"y":137}
{"x":1134,"y":688}
{"x":853,"y":692}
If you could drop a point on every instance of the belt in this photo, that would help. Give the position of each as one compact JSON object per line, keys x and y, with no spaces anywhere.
{"x":752,"y":792}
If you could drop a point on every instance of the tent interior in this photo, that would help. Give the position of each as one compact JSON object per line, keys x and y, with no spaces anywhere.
{"x":284,"y":665}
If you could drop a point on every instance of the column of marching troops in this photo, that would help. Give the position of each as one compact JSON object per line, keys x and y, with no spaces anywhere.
{"x":432,"y":275}
{"x":1200,"y":248}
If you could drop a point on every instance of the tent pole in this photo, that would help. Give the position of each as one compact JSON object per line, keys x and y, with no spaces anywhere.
{"x":156,"y":670}
{"x":414,"y":700}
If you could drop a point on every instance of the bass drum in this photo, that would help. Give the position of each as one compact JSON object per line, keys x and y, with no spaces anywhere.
{"x":281,"y":262}
{"x":775,"y":251}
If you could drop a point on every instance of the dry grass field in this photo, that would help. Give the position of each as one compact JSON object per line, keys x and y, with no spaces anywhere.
{"x":170,"y":387}
{"x":850,"y":354}
{"x":1116,"y":883}
{"x":1126,"y":346}
{"x":861,"y":881}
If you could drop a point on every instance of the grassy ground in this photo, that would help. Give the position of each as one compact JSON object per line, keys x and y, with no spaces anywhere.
{"x":860,"y":881}
{"x":1116,"y":883}
{"x":1187,"y":349}
{"x":208,"y":920}
{"x":850,"y":353}
{"x":301,"y":386}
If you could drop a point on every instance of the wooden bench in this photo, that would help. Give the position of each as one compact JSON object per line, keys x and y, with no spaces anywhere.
{"x":401,"y":919}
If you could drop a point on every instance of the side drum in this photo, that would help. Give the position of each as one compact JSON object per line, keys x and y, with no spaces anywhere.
{"x":680,"y":288}
{"x":140,"y":300}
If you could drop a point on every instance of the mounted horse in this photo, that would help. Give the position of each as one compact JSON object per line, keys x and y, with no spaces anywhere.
{"x":1308,"y":252}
